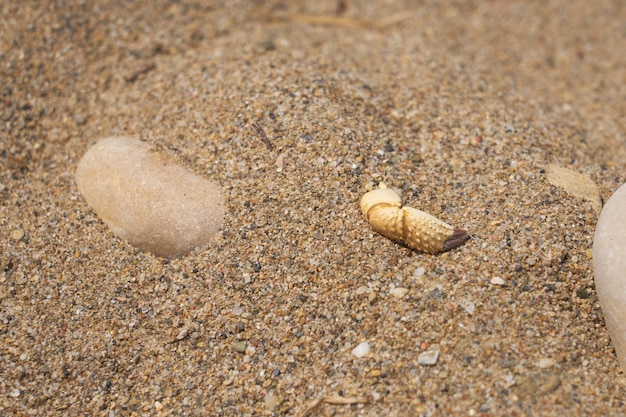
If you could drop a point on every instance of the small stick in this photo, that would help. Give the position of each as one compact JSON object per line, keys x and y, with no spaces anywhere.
{"x":332,"y":399}
{"x":338,"y":21}
{"x":264,"y":138}
{"x":132,"y":77}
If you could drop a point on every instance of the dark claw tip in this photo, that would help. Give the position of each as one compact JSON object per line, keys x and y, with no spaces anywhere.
{"x":458,"y":237}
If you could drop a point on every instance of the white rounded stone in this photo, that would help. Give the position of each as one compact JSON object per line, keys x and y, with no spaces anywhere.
{"x":609,"y":266}
{"x":399,"y":292}
{"x":429,"y":357}
{"x":157,"y":206}
{"x":361,"y":350}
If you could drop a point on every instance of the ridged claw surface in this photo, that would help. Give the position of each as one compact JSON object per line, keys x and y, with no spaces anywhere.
{"x":414,"y":228}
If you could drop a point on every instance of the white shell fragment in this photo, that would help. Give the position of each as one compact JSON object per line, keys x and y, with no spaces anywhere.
{"x":429,"y":357}
{"x":157,"y":206}
{"x":414,"y":228}
{"x":609,"y":264}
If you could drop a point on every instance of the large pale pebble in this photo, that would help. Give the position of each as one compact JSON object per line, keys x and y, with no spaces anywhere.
{"x":609,"y":266}
{"x":157,"y":206}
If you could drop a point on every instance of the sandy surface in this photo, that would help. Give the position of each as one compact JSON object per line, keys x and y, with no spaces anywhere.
{"x":460,"y":106}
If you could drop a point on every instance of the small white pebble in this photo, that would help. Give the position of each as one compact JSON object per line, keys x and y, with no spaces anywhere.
{"x":182,"y":333}
{"x":361,"y":350}
{"x":420,"y":271}
{"x":280,"y":162}
{"x":399,"y":292}
{"x":546,"y":363}
{"x":429,"y":357}
{"x":497,"y":281}
{"x":237,"y":310}
{"x":361,"y":290}
{"x":271,"y":401}
{"x":468,"y":306}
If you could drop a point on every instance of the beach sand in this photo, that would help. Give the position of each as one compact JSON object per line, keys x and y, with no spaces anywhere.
{"x":459,"y":106}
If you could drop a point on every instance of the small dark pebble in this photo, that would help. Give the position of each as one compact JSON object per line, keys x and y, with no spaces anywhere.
{"x":240,"y":327}
{"x":582,"y":293}
{"x":436,"y":293}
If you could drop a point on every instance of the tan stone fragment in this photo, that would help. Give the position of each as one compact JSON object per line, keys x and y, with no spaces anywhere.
{"x":576,"y":184}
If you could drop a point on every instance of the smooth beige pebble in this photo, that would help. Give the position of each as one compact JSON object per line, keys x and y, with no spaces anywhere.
{"x":155,"y":205}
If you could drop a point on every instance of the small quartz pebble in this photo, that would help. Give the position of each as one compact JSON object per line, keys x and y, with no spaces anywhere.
{"x":609,"y":264}
{"x":468,"y":306}
{"x":157,"y":206}
{"x":546,"y":363}
{"x":429,"y":357}
{"x":361,"y":350}
{"x":271,"y":401}
{"x":497,"y":281}
{"x":399,"y":292}
{"x":362,"y":290}
{"x":182,"y":333}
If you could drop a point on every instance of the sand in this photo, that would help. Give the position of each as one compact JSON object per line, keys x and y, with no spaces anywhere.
{"x":459,"y":106}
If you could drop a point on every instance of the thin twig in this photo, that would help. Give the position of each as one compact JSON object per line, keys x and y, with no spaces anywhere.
{"x":132,"y":77}
{"x":332,"y":399}
{"x":264,"y":138}
{"x":346,"y":22}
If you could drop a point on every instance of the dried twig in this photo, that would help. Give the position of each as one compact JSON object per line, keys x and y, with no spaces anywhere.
{"x":345,"y":22}
{"x":132,"y":77}
{"x":264,"y":138}
{"x":333,"y":399}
